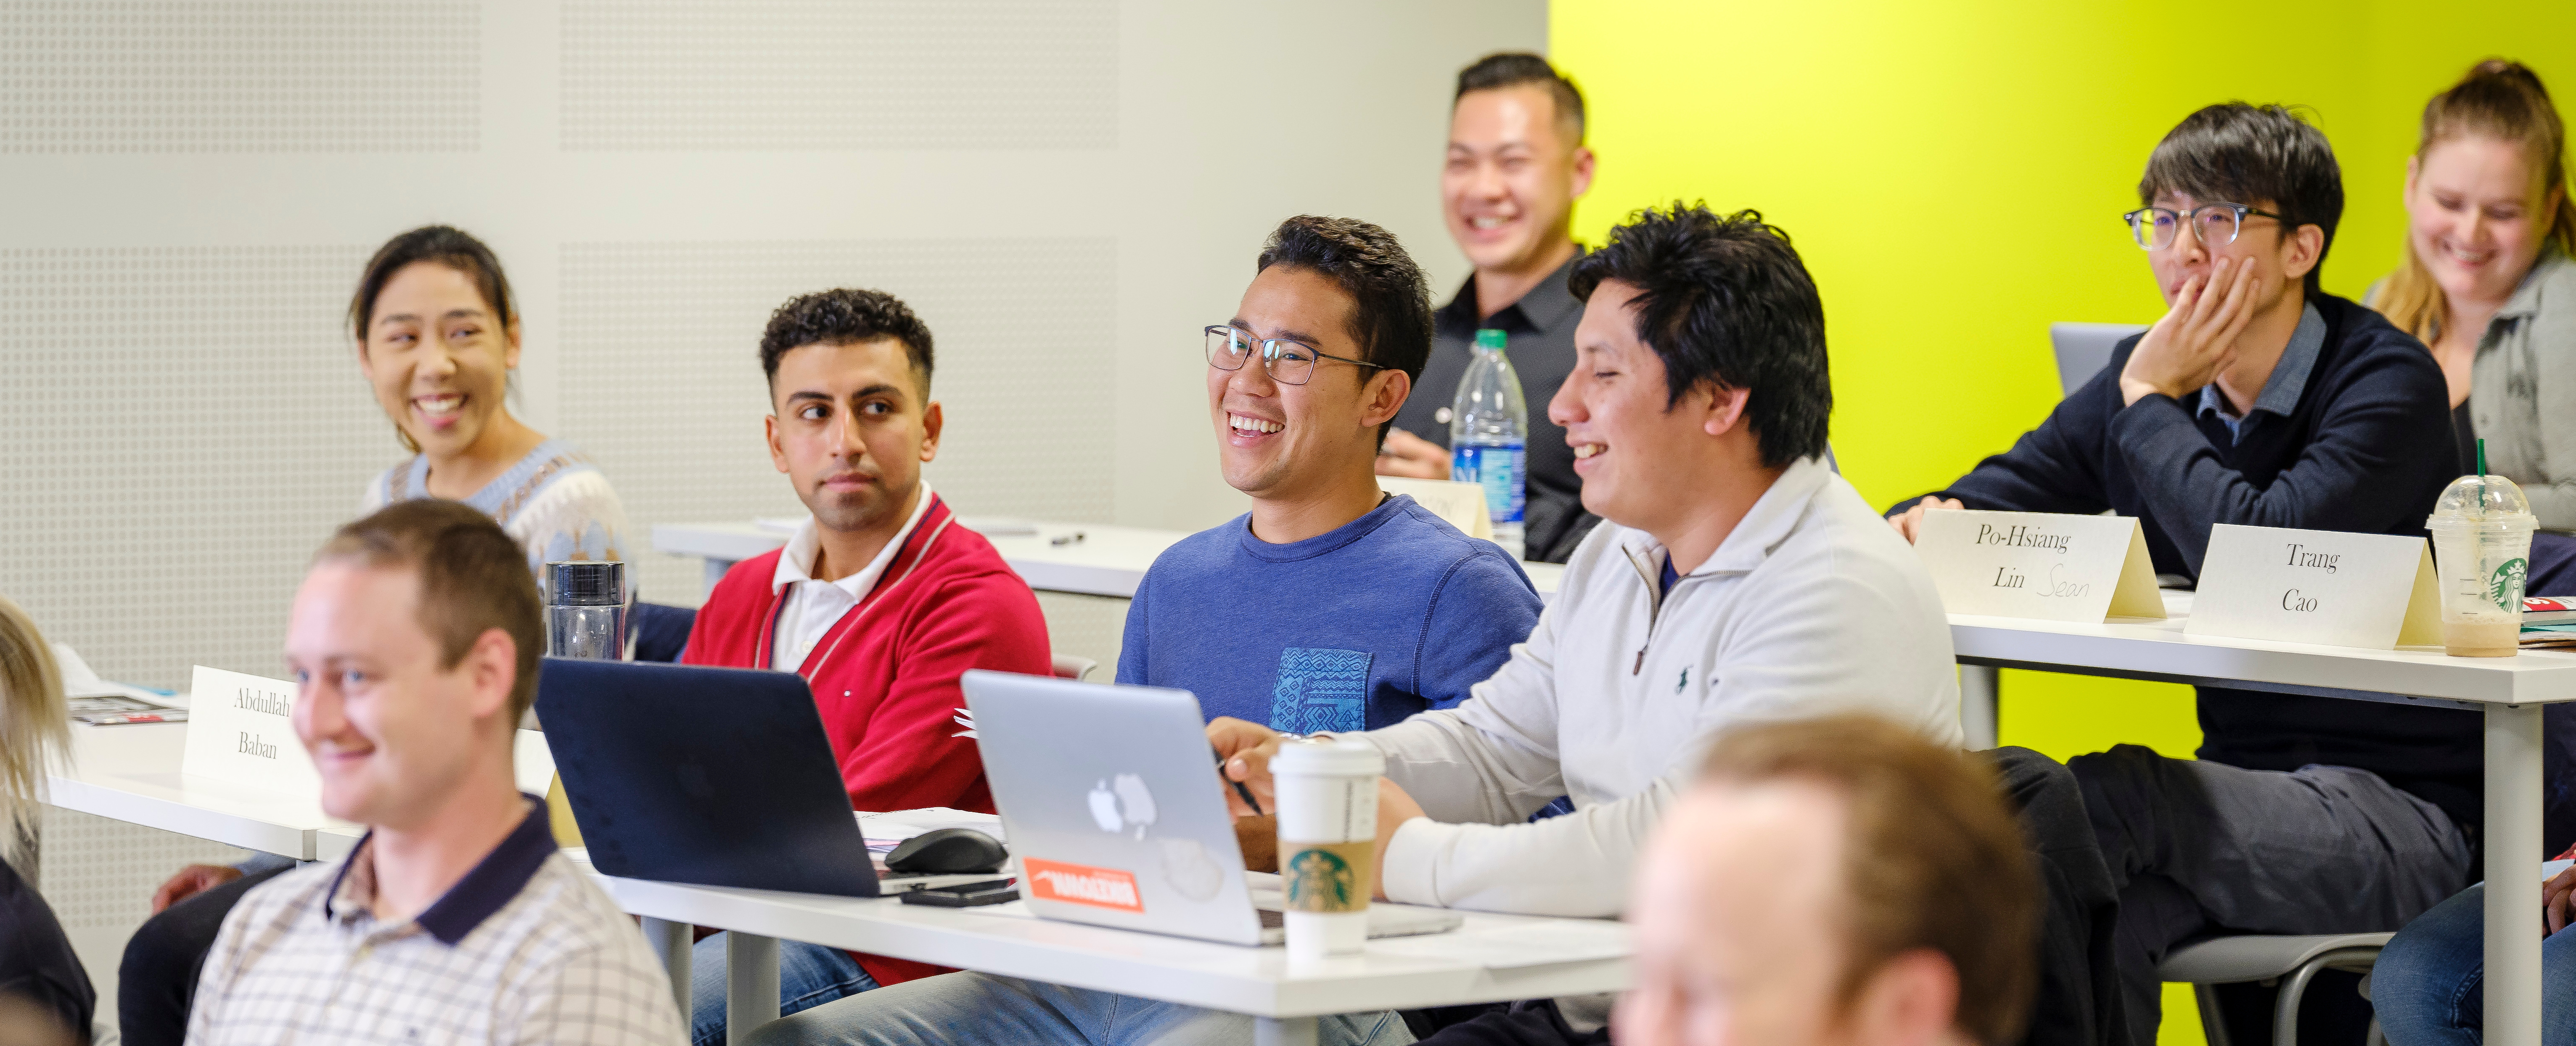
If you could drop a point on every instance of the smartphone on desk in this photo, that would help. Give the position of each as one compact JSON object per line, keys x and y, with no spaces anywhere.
{"x":965,"y":895}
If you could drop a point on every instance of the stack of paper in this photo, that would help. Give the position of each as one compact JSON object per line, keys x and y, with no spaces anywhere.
{"x":885,"y":831}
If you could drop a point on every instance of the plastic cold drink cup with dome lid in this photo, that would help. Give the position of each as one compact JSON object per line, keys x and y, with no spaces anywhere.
{"x":2482,"y":549}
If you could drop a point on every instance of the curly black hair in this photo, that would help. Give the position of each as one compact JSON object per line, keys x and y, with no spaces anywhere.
{"x":1724,"y":299}
{"x":841,"y":316}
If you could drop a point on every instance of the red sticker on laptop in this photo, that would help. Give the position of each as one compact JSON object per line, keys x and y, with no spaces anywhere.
{"x":1082,"y":884}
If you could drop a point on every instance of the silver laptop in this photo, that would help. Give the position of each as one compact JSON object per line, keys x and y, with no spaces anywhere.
{"x":1110,"y":797}
{"x":2083,"y":349}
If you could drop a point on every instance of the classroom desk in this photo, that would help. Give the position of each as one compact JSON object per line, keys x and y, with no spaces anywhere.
{"x":1255,"y":981}
{"x":2508,"y":691}
{"x":131,"y":774}
{"x":1108,"y":561}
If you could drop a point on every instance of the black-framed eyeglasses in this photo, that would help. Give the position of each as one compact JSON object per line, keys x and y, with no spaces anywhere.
{"x":1289,"y":362}
{"x":2215,"y":223}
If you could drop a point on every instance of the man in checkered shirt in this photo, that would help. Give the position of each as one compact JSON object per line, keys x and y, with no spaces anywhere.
{"x":414,"y":644}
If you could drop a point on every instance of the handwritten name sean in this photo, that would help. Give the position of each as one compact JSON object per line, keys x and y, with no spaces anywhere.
{"x":2019,"y":536}
{"x":262,"y":701}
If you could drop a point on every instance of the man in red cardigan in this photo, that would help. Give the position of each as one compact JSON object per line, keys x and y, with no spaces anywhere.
{"x":880,"y":600}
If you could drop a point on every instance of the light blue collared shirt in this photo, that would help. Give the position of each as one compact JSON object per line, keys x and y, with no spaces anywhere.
{"x":2288,"y":382}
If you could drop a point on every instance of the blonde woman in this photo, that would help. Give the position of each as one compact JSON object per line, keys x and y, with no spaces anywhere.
{"x":2487,"y":282}
{"x":37,"y":965}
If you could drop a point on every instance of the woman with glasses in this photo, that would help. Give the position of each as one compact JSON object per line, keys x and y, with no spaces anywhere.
{"x":2487,"y":283}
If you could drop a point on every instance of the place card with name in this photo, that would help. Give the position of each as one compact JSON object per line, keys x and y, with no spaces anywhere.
{"x":2317,"y":586}
{"x":2039,"y":565}
{"x":239,"y":730}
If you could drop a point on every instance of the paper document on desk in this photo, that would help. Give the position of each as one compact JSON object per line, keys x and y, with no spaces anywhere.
{"x":1526,"y":944}
{"x":885,"y":831}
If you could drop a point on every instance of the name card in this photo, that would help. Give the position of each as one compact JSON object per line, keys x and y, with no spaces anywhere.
{"x":2317,"y":586}
{"x":238,"y":731}
{"x":2039,"y":565}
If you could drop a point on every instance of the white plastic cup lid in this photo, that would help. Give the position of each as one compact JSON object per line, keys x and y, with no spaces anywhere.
{"x":1335,"y":757}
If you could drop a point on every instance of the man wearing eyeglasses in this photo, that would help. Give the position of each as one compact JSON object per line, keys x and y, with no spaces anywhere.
{"x":2257,"y":400}
{"x":1329,"y":607}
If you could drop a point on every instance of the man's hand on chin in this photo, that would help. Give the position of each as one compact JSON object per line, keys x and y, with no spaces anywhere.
{"x":2197,"y":339}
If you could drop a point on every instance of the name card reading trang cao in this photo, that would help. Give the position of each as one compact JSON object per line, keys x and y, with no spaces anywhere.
{"x":2316,"y":586}
{"x":238,"y":731}
{"x":2039,"y":565}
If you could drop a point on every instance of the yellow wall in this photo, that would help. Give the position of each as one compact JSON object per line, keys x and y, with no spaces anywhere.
{"x":1954,"y":175}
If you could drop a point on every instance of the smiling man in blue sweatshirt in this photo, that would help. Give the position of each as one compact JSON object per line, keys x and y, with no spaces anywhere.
{"x":1329,"y":606}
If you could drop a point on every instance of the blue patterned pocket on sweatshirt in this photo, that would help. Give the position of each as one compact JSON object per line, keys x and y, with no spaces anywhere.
{"x":1320,"y":690}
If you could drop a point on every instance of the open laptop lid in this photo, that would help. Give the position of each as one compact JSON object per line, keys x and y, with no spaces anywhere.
{"x":1110,"y":797}
{"x":711,"y":776}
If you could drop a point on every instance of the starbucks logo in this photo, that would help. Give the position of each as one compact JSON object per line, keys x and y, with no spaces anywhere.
{"x":1320,"y":881}
{"x":2506,"y":586}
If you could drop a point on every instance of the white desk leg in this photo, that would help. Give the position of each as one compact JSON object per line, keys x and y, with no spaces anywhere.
{"x":671,"y":942}
{"x":751,"y":984}
{"x":1981,"y":689}
{"x":2513,"y":859}
{"x":1283,"y":1031}
{"x":716,"y":571}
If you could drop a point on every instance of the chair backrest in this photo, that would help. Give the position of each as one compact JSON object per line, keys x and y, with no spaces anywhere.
{"x":1074,"y":668}
{"x":2083,"y":349}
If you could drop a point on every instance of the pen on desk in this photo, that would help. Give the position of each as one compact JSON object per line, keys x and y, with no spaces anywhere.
{"x":1065,"y":539}
{"x":1239,"y":789}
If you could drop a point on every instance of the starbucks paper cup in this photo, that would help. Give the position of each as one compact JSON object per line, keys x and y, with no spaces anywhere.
{"x":1327,"y":807}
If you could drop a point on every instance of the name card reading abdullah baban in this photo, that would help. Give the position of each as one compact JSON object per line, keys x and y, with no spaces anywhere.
{"x":2317,"y":586}
{"x":240,"y":730}
{"x":2039,"y":565}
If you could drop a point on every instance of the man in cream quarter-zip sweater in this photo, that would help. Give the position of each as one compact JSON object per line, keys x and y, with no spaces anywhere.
{"x":1736,"y":580}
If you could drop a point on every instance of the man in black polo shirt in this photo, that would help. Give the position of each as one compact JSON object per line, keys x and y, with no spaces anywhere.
{"x":2257,"y":400}
{"x":1516,"y":164}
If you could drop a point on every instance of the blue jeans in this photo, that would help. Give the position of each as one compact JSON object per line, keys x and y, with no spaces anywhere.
{"x":2429,"y":985}
{"x":809,"y":975}
{"x":975,"y":1007}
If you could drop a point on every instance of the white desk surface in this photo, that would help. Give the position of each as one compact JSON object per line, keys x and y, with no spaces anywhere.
{"x":1108,"y":561}
{"x":1227,"y":977}
{"x":2143,"y":648}
{"x":131,"y":773}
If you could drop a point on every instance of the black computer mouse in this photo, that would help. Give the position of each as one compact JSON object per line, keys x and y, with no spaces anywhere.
{"x":947,"y":851}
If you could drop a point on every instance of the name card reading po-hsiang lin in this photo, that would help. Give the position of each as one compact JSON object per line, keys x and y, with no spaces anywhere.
{"x":239,"y":730}
{"x":2039,"y":565}
{"x":2317,"y":586}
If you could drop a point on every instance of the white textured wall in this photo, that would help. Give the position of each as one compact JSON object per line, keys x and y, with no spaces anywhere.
{"x":1067,"y":190}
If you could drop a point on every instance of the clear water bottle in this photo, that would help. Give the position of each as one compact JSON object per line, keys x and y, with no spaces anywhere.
{"x":1489,"y":438}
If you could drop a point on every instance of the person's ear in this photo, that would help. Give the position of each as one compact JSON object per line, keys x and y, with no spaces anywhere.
{"x":769,"y":435}
{"x":2301,"y":251}
{"x":1725,"y":407}
{"x":1913,"y":1000}
{"x":2411,"y":172}
{"x":1583,"y":166}
{"x":1383,"y":396}
{"x":492,"y":664}
{"x":931,"y":420}
{"x":366,"y":363}
{"x":510,"y":349}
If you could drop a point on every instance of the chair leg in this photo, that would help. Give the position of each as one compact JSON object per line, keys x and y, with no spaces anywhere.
{"x":2213,"y":1024}
{"x":2285,"y":1011}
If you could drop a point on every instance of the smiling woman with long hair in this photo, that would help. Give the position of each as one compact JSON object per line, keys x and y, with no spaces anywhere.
{"x":438,"y":338}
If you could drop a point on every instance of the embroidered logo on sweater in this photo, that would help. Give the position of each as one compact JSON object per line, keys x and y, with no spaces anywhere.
{"x":1320,"y":690}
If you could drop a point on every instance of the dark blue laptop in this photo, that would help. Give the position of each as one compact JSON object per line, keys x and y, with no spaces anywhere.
{"x":709,"y":776}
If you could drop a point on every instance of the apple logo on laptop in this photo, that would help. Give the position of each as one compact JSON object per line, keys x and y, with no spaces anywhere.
{"x":1116,"y":806}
